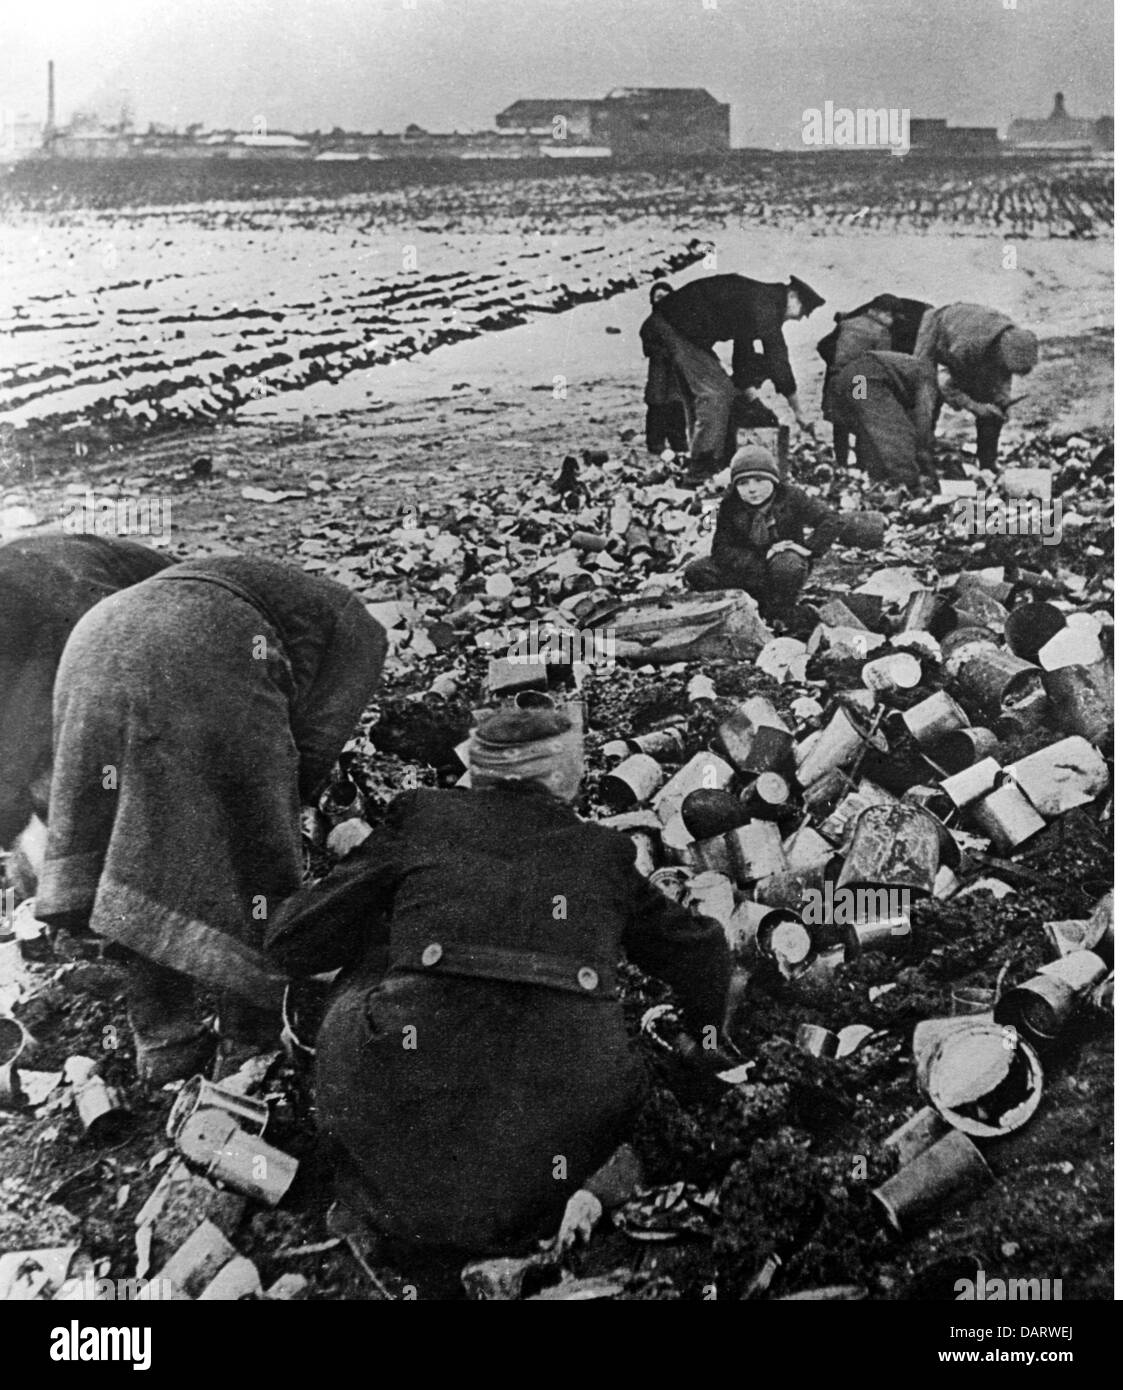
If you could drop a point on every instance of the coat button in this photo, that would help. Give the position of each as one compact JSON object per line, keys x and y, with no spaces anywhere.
{"x":432,"y":954}
{"x":587,"y":977}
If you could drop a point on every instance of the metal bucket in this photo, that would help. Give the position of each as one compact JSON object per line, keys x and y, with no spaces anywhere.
{"x":1030,"y":626}
{"x":1007,"y":817}
{"x":1082,"y":699}
{"x":930,"y":720}
{"x":996,"y":679}
{"x":972,"y":783}
{"x":893,"y":846}
{"x":950,"y":1167}
{"x":964,"y":748}
{"x":633,"y":781}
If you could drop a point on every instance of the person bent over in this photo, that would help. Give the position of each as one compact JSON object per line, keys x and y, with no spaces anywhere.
{"x":759,"y":539}
{"x":193,"y":713}
{"x":887,"y":400}
{"x":665,"y":425}
{"x":474,"y":1071}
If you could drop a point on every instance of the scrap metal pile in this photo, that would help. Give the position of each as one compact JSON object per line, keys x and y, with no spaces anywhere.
{"x":902,"y":822}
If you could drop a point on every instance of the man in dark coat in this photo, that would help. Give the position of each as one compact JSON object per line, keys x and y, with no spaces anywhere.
{"x":888,"y":401}
{"x":46,"y":584}
{"x":759,"y":541}
{"x":976,"y":352}
{"x":474,"y":1067}
{"x":665,"y":426}
{"x":723,"y":308}
{"x":193,"y":713}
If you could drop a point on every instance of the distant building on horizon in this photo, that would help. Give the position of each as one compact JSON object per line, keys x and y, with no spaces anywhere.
{"x":928,"y":136}
{"x":1060,"y":133}
{"x":628,"y":122}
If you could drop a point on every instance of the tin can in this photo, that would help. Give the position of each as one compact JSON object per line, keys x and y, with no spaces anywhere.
{"x":969,"y":999}
{"x":963,"y":643}
{"x":666,"y":745}
{"x":214,"y":1141}
{"x":671,"y":881}
{"x":933,"y":719}
{"x":951,"y":1167}
{"x":1062,"y":776}
{"x":889,"y":675}
{"x":704,"y":771}
{"x":633,"y":781}
{"x":978,"y":608}
{"x":200,"y":1094}
{"x":676,"y":841}
{"x":980,"y":1078}
{"x":756,"y":851}
{"x":713,"y":855}
{"x":996,"y":679}
{"x":755,"y":738}
{"x":1082,"y":699}
{"x":834,"y":747}
{"x":1007,"y":817}
{"x":1030,"y":626}
{"x":964,"y":748}
{"x":973,"y":783}
{"x":710,"y":894}
{"x":921,"y":610}
{"x":917,"y":1133}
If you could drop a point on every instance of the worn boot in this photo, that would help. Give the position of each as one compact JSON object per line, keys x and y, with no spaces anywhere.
{"x":171,"y":1040}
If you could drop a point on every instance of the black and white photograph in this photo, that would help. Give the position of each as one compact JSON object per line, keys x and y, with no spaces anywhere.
{"x":556,"y":667}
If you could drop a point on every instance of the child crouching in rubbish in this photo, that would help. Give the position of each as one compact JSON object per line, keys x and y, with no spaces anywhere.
{"x":759,"y":541}
{"x":473,"y":1071}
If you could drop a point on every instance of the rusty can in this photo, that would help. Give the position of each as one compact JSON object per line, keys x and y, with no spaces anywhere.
{"x":1082,"y":699}
{"x":996,"y":679}
{"x":756,"y":851}
{"x":755,"y":738}
{"x":1041,"y":1007}
{"x":951,"y":1167}
{"x":973,"y":783}
{"x":633,"y":781}
{"x":919,"y":1132}
{"x":666,"y":745}
{"x":963,"y":748}
{"x":934,"y":718}
{"x":834,"y":747}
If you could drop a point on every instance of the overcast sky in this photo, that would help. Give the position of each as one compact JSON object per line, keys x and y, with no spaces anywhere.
{"x":371,"y":64}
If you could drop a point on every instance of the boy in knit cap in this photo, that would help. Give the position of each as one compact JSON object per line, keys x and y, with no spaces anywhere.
{"x":760,"y":543}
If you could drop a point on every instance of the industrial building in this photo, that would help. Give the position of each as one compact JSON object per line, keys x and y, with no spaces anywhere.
{"x":1062,"y":134}
{"x":630,"y":122}
{"x":936,"y":137}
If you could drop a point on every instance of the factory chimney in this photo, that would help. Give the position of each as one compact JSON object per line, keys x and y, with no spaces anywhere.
{"x":50,"y":97}
{"x":1059,"y":113}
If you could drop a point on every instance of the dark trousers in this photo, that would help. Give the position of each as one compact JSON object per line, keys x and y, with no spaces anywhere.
{"x":706,"y":387}
{"x":886,"y":437}
{"x":775,"y":583}
{"x":986,"y":442}
{"x":666,"y":427}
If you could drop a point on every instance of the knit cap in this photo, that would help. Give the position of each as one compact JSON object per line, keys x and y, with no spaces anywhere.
{"x":754,"y":461}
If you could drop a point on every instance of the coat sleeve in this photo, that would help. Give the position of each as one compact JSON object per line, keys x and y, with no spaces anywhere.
{"x":330,"y":708}
{"x":688,"y":953}
{"x":825,"y":522}
{"x":334,"y":923}
{"x":927,"y":339}
{"x":727,"y":549}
